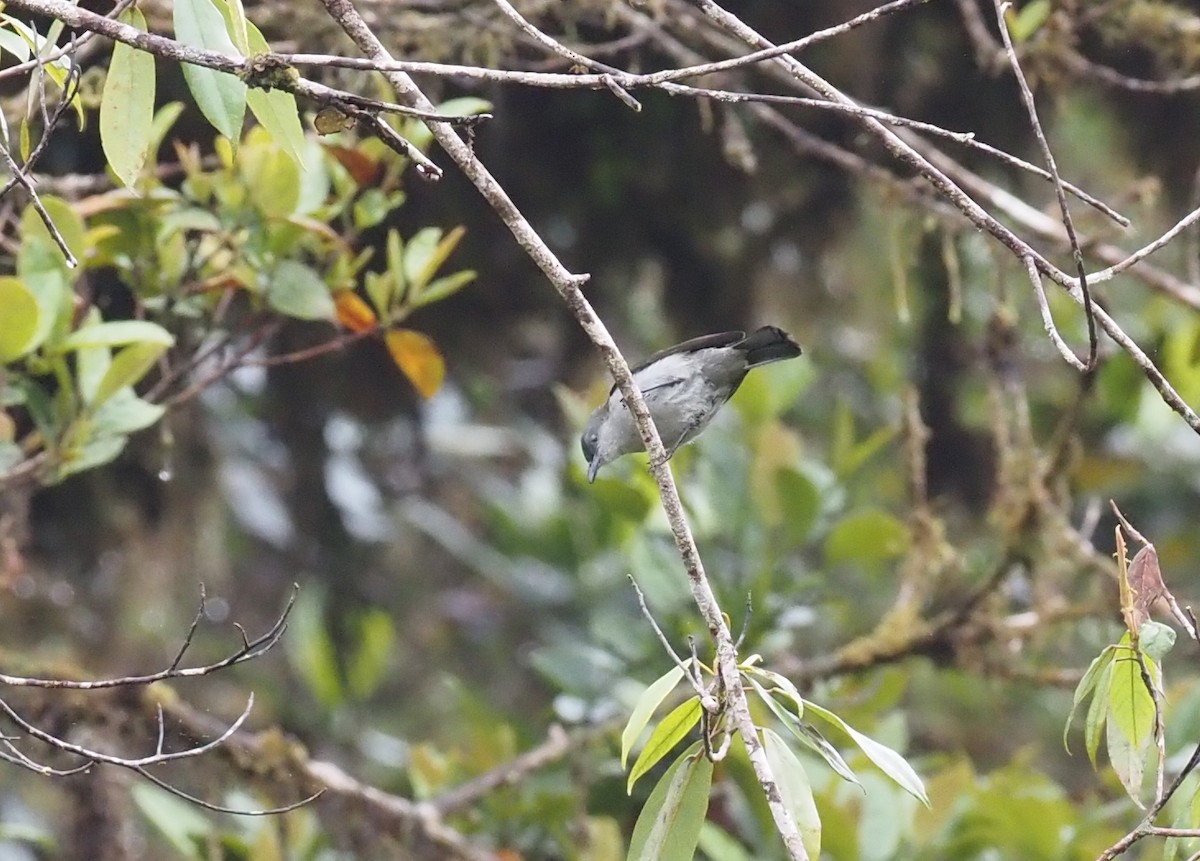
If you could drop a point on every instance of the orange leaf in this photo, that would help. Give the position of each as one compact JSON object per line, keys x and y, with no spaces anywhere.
{"x":418,"y":358}
{"x":353,"y":313}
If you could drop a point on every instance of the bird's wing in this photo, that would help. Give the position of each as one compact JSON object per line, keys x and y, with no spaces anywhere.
{"x":704,"y":342}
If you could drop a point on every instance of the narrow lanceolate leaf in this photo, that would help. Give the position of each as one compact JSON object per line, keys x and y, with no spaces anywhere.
{"x":1086,"y":686}
{"x":276,"y":109}
{"x":221,"y":97}
{"x":645,"y":707}
{"x":795,"y":790}
{"x":419,"y":358}
{"x":127,"y":106}
{"x":127,"y":368}
{"x":116,"y":333}
{"x":805,"y":734}
{"x":1098,"y":710}
{"x":670,"y":731}
{"x":668,"y":828}
{"x":887,"y":760}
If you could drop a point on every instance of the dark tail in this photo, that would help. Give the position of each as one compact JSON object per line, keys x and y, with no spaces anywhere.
{"x":768,"y":344}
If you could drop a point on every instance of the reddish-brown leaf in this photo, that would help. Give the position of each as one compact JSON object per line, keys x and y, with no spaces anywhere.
{"x":1146,"y":583}
{"x":365,"y":171}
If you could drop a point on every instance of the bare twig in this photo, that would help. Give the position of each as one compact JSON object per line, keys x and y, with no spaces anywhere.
{"x":1052,"y":166}
{"x":251,"y":649}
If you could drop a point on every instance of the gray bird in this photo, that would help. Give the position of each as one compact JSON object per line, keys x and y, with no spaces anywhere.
{"x":684,"y":387}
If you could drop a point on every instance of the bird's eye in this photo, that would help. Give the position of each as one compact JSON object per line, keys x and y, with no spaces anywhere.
{"x":588,"y":443}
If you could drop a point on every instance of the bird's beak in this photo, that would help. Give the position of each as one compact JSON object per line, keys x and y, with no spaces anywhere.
{"x":593,"y":468}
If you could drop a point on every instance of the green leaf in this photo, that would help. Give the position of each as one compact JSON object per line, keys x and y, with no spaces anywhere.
{"x":806,"y":734}
{"x":124,"y":413}
{"x":311,"y":651}
{"x":860,"y":452}
{"x":887,"y":760}
{"x":91,"y":363}
{"x":866,"y":537}
{"x":645,"y":707}
{"x":116,"y":333}
{"x":799,"y":501}
{"x":418,"y":252}
{"x":221,"y":97}
{"x":440,"y":253}
{"x":1086,"y":685}
{"x":670,"y":731}
{"x":66,"y":220}
{"x":376,"y":645}
{"x":1130,"y":723}
{"x":179,"y":822}
{"x":22,"y":315}
{"x":127,"y":368}
{"x":127,"y":106}
{"x":718,"y":844}
{"x":1028,"y":20}
{"x":1130,"y":705}
{"x":769,"y":392}
{"x":91,"y":452}
{"x":298,"y":291}
{"x":1098,"y":710}
{"x":668,"y":828}
{"x":443,"y":287}
{"x":271,"y":178}
{"x":276,"y":109}
{"x":14,"y":44}
{"x":795,"y":790}
{"x":238,"y":25}
{"x":395,"y":270}
{"x":1156,"y":639}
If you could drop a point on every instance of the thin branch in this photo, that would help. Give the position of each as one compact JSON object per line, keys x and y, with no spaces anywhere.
{"x":1035,"y":278}
{"x":220,"y":808}
{"x":250,"y":650}
{"x":1059,"y":193}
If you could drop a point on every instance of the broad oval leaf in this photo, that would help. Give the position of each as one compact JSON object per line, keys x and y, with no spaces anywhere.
{"x":645,"y":707}
{"x":418,"y":357}
{"x":297,"y":291}
{"x":670,"y":731}
{"x":125,"y":413}
{"x":795,"y":790}
{"x":1156,"y":639}
{"x":19,"y":308}
{"x":127,"y":106}
{"x":668,"y":828}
